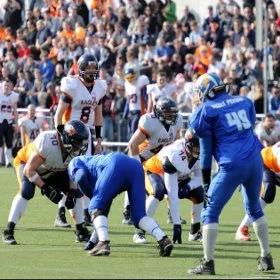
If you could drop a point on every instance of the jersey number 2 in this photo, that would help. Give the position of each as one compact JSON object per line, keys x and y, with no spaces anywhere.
{"x":239,"y":119}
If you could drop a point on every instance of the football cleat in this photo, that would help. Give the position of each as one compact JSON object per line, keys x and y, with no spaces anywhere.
{"x":205,"y":267}
{"x":89,"y":246}
{"x":8,"y":237}
{"x":265,"y":263}
{"x":82,"y":234}
{"x":196,"y":236}
{"x":165,"y":247}
{"x":102,"y":248}
{"x":139,"y":238}
{"x":243,"y":234}
{"x":126,"y":217}
{"x":60,"y":220}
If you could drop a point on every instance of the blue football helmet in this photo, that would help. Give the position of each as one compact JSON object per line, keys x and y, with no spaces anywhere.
{"x":208,"y":84}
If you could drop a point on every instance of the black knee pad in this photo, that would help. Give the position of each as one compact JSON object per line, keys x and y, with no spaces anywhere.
{"x":28,"y":189}
{"x":196,"y":195}
{"x":158,"y":186}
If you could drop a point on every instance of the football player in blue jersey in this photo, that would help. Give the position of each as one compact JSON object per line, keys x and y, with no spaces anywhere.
{"x":225,"y":125}
{"x":102,"y":178}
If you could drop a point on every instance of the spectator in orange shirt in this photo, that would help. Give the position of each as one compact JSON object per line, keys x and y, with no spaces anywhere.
{"x":67,"y":31}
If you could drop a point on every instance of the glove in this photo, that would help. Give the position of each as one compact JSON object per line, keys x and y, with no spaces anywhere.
{"x":52,"y":194}
{"x":177,"y":234}
{"x":205,"y":195}
{"x":60,"y":128}
{"x":70,"y":201}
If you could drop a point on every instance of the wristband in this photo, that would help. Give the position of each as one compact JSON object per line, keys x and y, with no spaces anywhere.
{"x":33,"y":178}
{"x":98,"y":130}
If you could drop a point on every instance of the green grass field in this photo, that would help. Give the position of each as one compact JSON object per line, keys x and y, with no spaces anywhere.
{"x":48,"y":252}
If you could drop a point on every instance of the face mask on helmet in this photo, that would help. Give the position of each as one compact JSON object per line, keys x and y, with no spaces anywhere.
{"x":75,"y":138}
{"x":192,"y":148}
{"x":166,"y":111}
{"x":88,"y":68}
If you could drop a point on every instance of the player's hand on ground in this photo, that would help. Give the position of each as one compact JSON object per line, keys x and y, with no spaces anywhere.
{"x":177,"y":234}
{"x":51,"y":193}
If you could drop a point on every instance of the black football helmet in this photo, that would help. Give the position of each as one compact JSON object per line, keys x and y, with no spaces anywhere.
{"x":88,"y":68}
{"x":192,"y":147}
{"x":75,"y":138}
{"x":165,"y":109}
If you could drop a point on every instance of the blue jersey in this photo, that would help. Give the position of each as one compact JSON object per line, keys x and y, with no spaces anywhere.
{"x":228,"y":121}
{"x":93,"y":165}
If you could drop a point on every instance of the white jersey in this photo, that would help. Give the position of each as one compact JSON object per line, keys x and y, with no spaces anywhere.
{"x":31,"y":126}
{"x":6,"y":106}
{"x":174,"y":158}
{"x":176,"y":153}
{"x":155,"y":92}
{"x":270,"y":137}
{"x":83,"y":102}
{"x":156,"y":133}
{"x":47,"y":145}
{"x":133,"y":92}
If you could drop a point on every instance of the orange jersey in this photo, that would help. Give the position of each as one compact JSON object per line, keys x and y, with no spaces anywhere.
{"x":24,"y":154}
{"x":154,"y":165}
{"x":271,"y":157}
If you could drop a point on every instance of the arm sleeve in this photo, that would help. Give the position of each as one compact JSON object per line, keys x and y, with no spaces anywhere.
{"x":196,"y":179}
{"x":171,"y":184}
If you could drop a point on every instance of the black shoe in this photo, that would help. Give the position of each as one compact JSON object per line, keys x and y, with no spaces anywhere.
{"x":82,"y":233}
{"x":205,"y":267}
{"x":165,"y":247}
{"x":8,"y":237}
{"x":60,"y":220}
{"x":127,"y":217}
{"x":102,"y":248}
{"x":87,"y":218}
{"x":9,"y":165}
{"x":90,"y":245}
{"x":265,"y":263}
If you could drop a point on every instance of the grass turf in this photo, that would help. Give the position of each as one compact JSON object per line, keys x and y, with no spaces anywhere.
{"x":46,"y":252}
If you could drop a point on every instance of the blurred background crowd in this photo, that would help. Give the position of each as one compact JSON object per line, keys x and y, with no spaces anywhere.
{"x":41,"y":40}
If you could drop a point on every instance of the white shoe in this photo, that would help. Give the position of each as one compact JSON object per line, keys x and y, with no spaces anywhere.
{"x":139,"y":238}
{"x":243,"y":234}
{"x":195,"y":237}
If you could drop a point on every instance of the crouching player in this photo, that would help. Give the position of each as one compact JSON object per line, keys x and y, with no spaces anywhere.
{"x":43,"y":163}
{"x":271,"y":179}
{"x":102,"y":178}
{"x":175,"y":171}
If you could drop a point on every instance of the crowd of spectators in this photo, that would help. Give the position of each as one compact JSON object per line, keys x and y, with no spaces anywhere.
{"x":41,"y":40}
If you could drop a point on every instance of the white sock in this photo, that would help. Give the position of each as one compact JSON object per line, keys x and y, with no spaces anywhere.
{"x":8,"y":156}
{"x":94,"y":237}
{"x":149,"y":225}
{"x":77,"y":213}
{"x":100,"y":224}
{"x":209,"y":236}
{"x":261,"y":231}
{"x":126,"y":200}
{"x":1,"y":155}
{"x":17,"y":209}
{"x":61,"y":203}
{"x":196,"y":213}
{"x":151,"y":205}
{"x":86,"y":202}
{"x":247,"y":221}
